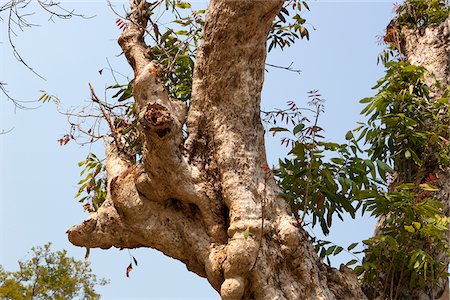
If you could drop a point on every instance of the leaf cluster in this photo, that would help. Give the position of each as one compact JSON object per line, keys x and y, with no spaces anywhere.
{"x":322,"y":179}
{"x":92,"y":188}
{"x":421,"y":13}
{"x":175,"y":49}
{"x":404,"y":252}
{"x":288,"y":26}
{"x":407,"y":140}
{"x":407,"y":127}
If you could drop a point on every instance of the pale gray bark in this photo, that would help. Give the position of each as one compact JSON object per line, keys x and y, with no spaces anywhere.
{"x":194,"y":200}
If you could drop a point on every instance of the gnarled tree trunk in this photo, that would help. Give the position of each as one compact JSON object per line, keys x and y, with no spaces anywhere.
{"x":209,"y":200}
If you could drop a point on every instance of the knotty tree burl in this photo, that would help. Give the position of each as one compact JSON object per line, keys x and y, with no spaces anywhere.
{"x":196,"y":199}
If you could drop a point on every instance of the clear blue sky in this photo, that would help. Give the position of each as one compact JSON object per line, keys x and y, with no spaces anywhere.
{"x":38,"y":177}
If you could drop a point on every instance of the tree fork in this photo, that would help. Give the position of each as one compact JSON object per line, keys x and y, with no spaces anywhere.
{"x":201,"y":200}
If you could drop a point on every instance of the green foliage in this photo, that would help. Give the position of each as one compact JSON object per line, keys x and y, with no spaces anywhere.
{"x":414,"y":230}
{"x":288,"y":25}
{"x":406,"y":127}
{"x":46,"y":97}
{"x":326,"y":249}
{"x":421,"y":13}
{"x":175,"y":50}
{"x":92,"y":191}
{"x":409,"y":130}
{"x":407,"y":140}
{"x":49,"y":275}
{"x":322,"y":179}
{"x":123,"y":91}
{"x":323,"y":186}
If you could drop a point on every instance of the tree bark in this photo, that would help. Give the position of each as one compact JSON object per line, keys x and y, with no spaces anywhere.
{"x":209,"y":200}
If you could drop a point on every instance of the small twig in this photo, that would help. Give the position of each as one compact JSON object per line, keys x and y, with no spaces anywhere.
{"x":105,"y":115}
{"x":288,"y":68}
{"x":13,"y":46}
{"x":6,"y":131}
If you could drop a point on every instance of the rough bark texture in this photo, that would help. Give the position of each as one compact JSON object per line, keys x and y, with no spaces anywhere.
{"x":429,"y":48}
{"x":195,"y":199}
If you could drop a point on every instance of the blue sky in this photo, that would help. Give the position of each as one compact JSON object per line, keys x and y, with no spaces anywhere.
{"x":38,"y":177}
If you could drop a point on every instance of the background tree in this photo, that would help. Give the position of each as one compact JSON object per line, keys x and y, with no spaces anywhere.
{"x":49,"y":275}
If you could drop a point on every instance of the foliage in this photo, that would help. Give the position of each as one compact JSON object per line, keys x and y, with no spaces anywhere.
{"x":49,"y":275}
{"x":175,"y":50}
{"x":407,"y":140}
{"x":412,"y":14}
{"x":92,"y":191}
{"x":327,"y":249}
{"x":286,"y":28}
{"x":46,"y":97}
{"x":414,"y":230}
{"x":421,"y":13}
{"x":406,"y":127}
{"x":319,"y":178}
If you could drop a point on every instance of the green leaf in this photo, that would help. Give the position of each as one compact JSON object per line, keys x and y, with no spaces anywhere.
{"x":366,"y":100}
{"x":416,"y":159}
{"x":298,"y":128}
{"x":352,"y":262}
{"x":409,"y":228}
{"x":183,"y":5}
{"x":182,"y":32}
{"x":352,"y":246}
{"x":338,"y":250}
{"x":428,"y":187}
{"x":338,"y":161}
{"x":392,"y":242}
{"x":330,"y":250}
{"x":247,"y":233}
{"x":278,"y":129}
{"x":349,"y":135}
{"x":406,"y":186}
{"x":407,"y":154}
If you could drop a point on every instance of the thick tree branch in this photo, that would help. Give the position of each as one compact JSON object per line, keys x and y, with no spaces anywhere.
{"x":128,"y":219}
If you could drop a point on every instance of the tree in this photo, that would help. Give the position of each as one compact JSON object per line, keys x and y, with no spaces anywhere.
{"x":209,"y":199}
{"x":49,"y":275}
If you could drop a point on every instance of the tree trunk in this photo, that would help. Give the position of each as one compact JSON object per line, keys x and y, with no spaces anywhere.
{"x":209,"y":200}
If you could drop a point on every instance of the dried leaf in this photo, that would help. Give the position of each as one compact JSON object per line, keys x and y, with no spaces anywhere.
{"x":129,"y":269}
